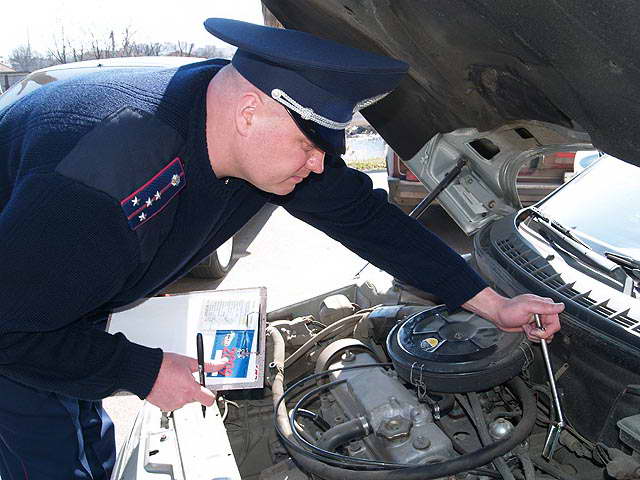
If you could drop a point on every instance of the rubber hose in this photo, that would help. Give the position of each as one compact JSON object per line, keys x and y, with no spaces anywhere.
{"x":317,"y":420}
{"x":527,"y":466}
{"x":429,"y":471}
{"x":483,"y":430}
{"x":277,"y":386}
{"x":341,"y":434}
{"x":550,"y":469}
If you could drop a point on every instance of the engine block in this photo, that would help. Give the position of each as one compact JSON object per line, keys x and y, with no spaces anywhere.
{"x":403,"y":430}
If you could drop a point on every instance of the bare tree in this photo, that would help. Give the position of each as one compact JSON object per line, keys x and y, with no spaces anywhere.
{"x":78,"y":53}
{"x":97,"y":51}
{"x":107,"y":45}
{"x":128,"y":45}
{"x":23,"y":59}
{"x":209,"y":51}
{"x":184,"y":49}
{"x":112,"y":40}
{"x":94,"y":47}
{"x":59,"y":52}
{"x":147,"y":49}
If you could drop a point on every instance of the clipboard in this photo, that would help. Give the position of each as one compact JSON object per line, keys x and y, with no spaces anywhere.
{"x":232,"y":323}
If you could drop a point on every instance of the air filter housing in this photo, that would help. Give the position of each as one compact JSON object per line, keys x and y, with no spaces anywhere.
{"x":459,"y":352}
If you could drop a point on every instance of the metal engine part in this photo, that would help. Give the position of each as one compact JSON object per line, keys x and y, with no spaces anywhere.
{"x":403,"y":430}
{"x":334,"y":308}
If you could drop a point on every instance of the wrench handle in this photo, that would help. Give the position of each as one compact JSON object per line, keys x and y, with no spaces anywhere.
{"x":552,"y":380}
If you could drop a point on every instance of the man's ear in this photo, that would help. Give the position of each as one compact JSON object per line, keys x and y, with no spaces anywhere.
{"x":246,"y":112}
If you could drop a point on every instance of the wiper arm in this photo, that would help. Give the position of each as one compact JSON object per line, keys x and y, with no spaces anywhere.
{"x":557,"y":226}
{"x":623,"y":260}
{"x":630,"y":264}
{"x":563,"y":237}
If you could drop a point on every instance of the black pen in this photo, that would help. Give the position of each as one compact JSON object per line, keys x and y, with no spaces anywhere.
{"x":200,"y":348}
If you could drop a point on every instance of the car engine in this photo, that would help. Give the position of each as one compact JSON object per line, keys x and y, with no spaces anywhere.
{"x":408,"y":391}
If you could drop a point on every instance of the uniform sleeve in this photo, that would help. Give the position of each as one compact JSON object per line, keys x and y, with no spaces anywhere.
{"x":342,"y":203}
{"x":66,"y":250}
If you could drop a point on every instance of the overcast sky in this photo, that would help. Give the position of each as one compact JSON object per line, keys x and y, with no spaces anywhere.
{"x":41,"y":21}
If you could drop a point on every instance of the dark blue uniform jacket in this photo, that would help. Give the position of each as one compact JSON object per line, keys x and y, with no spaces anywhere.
{"x":107,"y":195}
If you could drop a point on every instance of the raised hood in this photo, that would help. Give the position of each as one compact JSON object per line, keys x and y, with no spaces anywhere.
{"x":484,"y":63}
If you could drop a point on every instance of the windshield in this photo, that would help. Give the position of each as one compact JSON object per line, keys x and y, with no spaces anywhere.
{"x":602,"y":205}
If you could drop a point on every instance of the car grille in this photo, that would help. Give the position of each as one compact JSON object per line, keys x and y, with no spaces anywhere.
{"x":539,"y":268}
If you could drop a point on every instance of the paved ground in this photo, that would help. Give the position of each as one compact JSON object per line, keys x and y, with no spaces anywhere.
{"x":294,"y":261}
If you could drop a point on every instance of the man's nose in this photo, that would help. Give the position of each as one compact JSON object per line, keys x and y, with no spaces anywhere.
{"x":315,"y":163}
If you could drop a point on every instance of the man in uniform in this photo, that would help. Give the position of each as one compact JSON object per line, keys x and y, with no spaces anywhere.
{"x":115,"y":184}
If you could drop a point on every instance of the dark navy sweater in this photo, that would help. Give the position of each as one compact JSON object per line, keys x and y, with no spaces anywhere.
{"x":75,"y":243}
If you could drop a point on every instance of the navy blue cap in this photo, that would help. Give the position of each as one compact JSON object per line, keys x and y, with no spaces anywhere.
{"x":321,"y":83}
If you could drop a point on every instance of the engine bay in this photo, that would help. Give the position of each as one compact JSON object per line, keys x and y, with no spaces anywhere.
{"x":393,"y":386}
{"x":412,"y":391}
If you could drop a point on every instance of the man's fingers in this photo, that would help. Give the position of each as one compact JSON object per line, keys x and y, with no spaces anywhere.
{"x":211,"y":366}
{"x":216,"y":365}
{"x":205,"y":397}
{"x":536,"y":335}
{"x":548,"y":308}
{"x":551,"y":325}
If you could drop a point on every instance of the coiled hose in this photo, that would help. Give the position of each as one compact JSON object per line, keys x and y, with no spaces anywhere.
{"x":419,"y":472}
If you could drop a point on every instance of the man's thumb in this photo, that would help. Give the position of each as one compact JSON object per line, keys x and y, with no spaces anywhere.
{"x":206,"y":397}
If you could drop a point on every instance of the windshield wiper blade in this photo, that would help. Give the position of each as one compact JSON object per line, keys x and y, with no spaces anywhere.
{"x":557,"y":226}
{"x":560,"y":235}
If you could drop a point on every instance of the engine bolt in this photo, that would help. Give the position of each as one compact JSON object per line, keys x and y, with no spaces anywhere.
{"x":500,"y":428}
{"x":421,"y":443}
{"x":348,"y":356}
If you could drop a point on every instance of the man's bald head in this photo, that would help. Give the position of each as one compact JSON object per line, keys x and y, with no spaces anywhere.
{"x":229,"y":86}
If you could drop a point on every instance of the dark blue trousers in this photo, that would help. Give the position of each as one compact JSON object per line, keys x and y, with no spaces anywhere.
{"x":44,"y":435}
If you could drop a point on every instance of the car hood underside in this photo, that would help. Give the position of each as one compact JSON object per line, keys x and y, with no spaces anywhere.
{"x":483,"y":63}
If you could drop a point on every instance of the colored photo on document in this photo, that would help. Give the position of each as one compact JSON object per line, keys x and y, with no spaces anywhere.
{"x":236,"y":346}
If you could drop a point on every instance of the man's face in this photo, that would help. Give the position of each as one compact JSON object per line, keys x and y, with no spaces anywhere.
{"x":279,"y":155}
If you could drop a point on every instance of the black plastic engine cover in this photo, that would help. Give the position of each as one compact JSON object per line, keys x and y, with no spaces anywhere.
{"x":459,"y":352}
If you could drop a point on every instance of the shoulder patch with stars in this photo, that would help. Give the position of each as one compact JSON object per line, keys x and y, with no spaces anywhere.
{"x":149,"y":199}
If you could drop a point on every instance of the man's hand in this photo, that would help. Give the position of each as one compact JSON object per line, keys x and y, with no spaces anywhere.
{"x":176,"y":386}
{"x":514,"y":314}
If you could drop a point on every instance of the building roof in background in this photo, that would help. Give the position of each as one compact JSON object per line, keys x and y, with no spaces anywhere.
{"x":5,"y":69}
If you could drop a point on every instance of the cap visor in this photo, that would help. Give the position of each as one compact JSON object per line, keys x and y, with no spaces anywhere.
{"x":328,"y":140}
